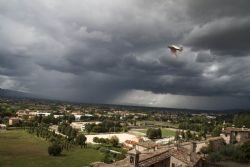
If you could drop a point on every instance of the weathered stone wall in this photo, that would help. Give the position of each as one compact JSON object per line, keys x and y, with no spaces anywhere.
{"x":242,"y":136}
{"x":164,"y":163}
{"x":200,"y":145}
{"x":176,"y":162}
{"x":226,"y":138}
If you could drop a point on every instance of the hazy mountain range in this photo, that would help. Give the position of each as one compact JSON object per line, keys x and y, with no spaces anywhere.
{"x":6,"y":93}
{"x":15,"y":94}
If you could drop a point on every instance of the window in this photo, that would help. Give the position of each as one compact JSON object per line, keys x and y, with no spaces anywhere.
{"x":131,"y":160}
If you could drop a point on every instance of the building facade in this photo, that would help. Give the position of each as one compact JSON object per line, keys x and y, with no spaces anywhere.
{"x":235,"y":135}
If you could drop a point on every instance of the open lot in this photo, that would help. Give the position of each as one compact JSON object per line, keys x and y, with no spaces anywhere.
{"x":121,"y":136}
{"x":20,"y":149}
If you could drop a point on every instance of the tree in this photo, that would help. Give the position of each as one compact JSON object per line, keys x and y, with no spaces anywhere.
{"x":125,"y":129}
{"x":177,"y":135}
{"x":242,"y":119}
{"x":188,"y":135}
{"x":216,"y":131}
{"x":183,"y":135}
{"x":246,"y":149}
{"x":154,"y":133}
{"x":88,"y":127}
{"x":54,"y":149}
{"x":71,"y":118}
{"x":204,"y":150}
{"x":81,"y":140}
{"x":53,"y":139}
{"x":159,"y":134}
{"x":73,"y":133}
{"x":97,"y":129}
{"x":108,"y":158}
{"x":96,"y":139}
{"x":68,"y":130}
{"x":114,"y":141}
{"x":215,"y":157}
{"x":102,"y":141}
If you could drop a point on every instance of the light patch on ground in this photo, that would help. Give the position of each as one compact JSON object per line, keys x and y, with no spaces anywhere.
{"x":121,"y":136}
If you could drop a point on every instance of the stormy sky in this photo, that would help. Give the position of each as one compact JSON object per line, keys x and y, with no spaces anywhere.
{"x":115,"y":51}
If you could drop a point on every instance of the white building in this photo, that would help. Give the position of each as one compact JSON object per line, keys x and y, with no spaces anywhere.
{"x":58,"y":116}
{"x":3,"y":127}
{"x":81,"y":125}
{"x":42,"y":113}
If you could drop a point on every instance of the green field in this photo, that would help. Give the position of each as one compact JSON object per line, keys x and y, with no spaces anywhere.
{"x":165,"y":132}
{"x":21,"y":149}
{"x":158,"y":123}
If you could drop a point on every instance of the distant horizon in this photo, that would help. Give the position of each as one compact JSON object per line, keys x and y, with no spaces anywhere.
{"x":37,"y":97}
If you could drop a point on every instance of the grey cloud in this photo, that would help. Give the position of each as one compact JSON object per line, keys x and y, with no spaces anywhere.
{"x":227,"y":36}
{"x":97,"y":51}
{"x":14,"y":65}
{"x":207,"y":11}
{"x":219,"y":26}
{"x":204,"y":57}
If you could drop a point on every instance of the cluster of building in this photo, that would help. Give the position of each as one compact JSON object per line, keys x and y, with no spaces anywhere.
{"x":232,"y":135}
{"x":31,"y":114}
{"x":160,"y":157}
{"x":81,"y":125}
{"x":187,"y":154}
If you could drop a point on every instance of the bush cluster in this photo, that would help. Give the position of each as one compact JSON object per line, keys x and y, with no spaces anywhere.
{"x":154,"y":133}
{"x":54,"y":149}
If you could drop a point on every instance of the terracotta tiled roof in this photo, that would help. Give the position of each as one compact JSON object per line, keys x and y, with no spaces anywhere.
{"x":188,"y":158}
{"x":149,"y":158}
{"x":130,"y":142}
{"x":156,"y":156}
{"x":147,"y":144}
{"x":214,"y":138}
{"x":121,"y":163}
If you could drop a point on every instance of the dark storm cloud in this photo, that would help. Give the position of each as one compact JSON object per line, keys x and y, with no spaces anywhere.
{"x":14,"y":65}
{"x":220,"y":26}
{"x":226,"y":36}
{"x":204,"y":57}
{"x":207,"y":11}
{"x":96,"y":51}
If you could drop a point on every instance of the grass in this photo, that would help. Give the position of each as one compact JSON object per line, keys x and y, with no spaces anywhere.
{"x":165,"y":132}
{"x":21,"y":149}
{"x":159,"y":123}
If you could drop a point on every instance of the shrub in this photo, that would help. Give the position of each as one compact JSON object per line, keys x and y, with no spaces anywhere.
{"x":228,"y":150}
{"x":104,"y":150}
{"x":120,"y":156}
{"x":246,"y":149}
{"x":240,"y":156}
{"x":81,"y":140}
{"x":96,"y":139}
{"x":108,"y":159}
{"x":215,"y":157}
{"x":234,"y":153}
{"x":54,"y":150}
{"x":114,"y":141}
{"x":154,"y":133}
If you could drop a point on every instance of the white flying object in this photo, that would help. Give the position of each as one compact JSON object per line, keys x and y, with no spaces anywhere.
{"x":174,"y":49}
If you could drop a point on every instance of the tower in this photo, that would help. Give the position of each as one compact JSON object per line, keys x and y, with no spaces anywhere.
{"x":134,"y":157}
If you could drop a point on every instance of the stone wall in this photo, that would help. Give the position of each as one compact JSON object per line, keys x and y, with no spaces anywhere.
{"x":176,"y":162}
